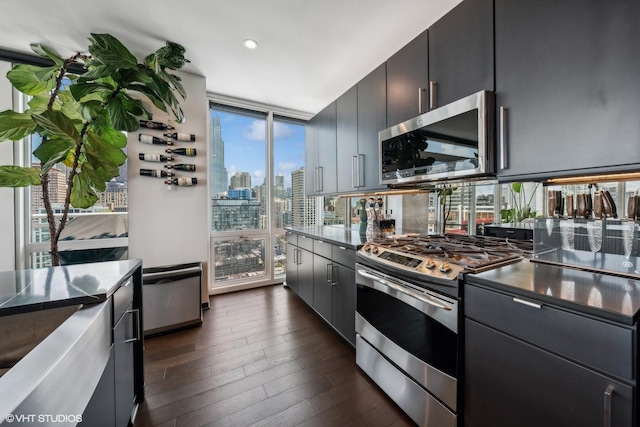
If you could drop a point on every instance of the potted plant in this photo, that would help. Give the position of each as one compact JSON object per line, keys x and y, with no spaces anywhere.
{"x":81,"y":106}
{"x":522,"y":205}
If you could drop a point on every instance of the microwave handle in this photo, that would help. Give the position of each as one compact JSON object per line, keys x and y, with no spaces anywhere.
{"x":503,"y":139}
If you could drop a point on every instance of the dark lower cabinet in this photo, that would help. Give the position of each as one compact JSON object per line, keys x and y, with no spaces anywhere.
{"x":323,"y":286}
{"x":532,"y":364}
{"x":101,"y":411}
{"x":344,"y":302}
{"x":511,"y":383}
{"x":125,"y":333}
{"x":305,"y":276}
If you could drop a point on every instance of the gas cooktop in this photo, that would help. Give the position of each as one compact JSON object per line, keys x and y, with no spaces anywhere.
{"x":443,"y":257}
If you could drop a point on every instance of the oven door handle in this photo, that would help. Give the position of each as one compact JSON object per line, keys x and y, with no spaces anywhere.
{"x":425,"y":299}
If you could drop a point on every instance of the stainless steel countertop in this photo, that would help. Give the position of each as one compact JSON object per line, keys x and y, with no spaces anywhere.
{"x":22,"y":291}
{"x":600,"y":295}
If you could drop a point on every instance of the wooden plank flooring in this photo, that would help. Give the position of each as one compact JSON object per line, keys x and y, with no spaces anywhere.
{"x":261,"y":358}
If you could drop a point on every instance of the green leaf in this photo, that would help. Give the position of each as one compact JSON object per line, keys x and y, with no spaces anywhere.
{"x":97,"y":70}
{"x":15,"y":126}
{"x":82,"y":195}
{"x":121,"y":117}
{"x":69,"y":106}
{"x":516,"y":187}
{"x":81,"y":90}
{"x":103,"y":151}
{"x":114,"y":137}
{"x":174,"y":83}
{"x":18,"y":176}
{"x":90,"y":110}
{"x":39,"y":103}
{"x":45,"y":52}
{"x":109,"y":51}
{"x":52,"y":151}
{"x":33,"y":80}
{"x":54,"y":123}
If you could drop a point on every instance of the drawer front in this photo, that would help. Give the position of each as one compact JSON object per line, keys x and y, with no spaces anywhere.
{"x":305,"y":242}
{"x":343,"y":255}
{"x":322,"y":248}
{"x":292,"y":238}
{"x":596,"y":344}
{"x":122,"y":298}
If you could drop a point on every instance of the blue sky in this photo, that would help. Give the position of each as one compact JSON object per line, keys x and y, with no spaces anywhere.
{"x":245,"y":148}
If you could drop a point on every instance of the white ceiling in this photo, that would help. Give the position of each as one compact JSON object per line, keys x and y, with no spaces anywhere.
{"x":310,"y":51}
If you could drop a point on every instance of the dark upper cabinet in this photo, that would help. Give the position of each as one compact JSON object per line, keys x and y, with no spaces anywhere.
{"x":320,"y":153}
{"x":408,"y":81}
{"x":567,"y":87}
{"x":461,"y":53}
{"x":347,"y":140}
{"x":357,"y":126}
{"x":372,"y":118}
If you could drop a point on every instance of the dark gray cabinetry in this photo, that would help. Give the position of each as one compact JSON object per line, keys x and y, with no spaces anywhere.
{"x":325,"y":280}
{"x":320,"y":174}
{"x":372,"y":118}
{"x":344,"y":292}
{"x":292,"y":261}
{"x":461,"y":53}
{"x":349,"y":161}
{"x":126,"y":332}
{"x":530,"y":364}
{"x":408,"y":81}
{"x":567,"y":87}
{"x":360,"y":116}
{"x":323,"y":286}
{"x":101,"y":411}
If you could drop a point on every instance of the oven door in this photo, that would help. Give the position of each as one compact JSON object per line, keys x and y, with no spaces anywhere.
{"x":413,"y":328}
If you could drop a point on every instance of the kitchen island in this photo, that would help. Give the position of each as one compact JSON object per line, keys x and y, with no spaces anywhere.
{"x":92,"y":347}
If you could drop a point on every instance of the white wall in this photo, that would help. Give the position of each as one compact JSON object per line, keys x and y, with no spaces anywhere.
{"x":7,"y":223}
{"x":171,"y":227}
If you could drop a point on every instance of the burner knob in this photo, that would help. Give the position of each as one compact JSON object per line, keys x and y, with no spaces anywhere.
{"x":445,"y":267}
{"x":430,"y":264}
{"x":374,"y":250}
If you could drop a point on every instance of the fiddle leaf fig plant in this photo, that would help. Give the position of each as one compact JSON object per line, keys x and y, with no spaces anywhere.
{"x":81,"y":106}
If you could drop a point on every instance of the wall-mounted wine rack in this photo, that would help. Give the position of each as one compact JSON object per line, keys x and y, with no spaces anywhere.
{"x":169,"y":138}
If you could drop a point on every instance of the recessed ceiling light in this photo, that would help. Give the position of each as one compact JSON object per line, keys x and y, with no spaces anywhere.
{"x":250,"y":44}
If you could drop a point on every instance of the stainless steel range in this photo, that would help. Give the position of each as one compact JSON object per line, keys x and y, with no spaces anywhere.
{"x":408,"y":316}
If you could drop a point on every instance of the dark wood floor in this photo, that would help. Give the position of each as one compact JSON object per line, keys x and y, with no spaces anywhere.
{"x":262,"y":357}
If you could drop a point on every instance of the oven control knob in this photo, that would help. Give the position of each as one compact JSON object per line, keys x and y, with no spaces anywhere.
{"x":430,"y":264}
{"x":445,"y":267}
{"x":374,"y":250}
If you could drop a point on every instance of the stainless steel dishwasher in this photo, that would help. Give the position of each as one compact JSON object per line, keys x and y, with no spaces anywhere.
{"x":171,"y":298}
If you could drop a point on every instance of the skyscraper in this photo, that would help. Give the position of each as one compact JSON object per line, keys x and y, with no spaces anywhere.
{"x":240,"y":180}
{"x":219,"y":175}
{"x":303,"y":208}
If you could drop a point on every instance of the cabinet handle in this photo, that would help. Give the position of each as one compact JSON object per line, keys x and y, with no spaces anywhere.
{"x":503,"y":139}
{"x":527,"y":303}
{"x":329,"y":273}
{"x":136,"y":312}
{"x":333,"y":282}
{"x":319,"y":176}
{"x":607,"y":406}
{"x":432,"y":94}
{"x":354,"y":172}
{"x":421,"y":108}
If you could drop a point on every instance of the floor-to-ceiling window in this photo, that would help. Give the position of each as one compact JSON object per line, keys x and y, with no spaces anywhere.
{"x":257,"y":188}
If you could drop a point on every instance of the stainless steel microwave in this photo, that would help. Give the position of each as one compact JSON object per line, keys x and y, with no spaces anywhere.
{"x":451,"y":142}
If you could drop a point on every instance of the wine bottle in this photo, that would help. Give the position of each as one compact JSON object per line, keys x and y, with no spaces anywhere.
{"x":156,"y":173}
{"x":150,"y":139}
{"x":191,"y":152}
{"x":182,"y":181}
{"x":187,"y":137}
{"x":182,"y":167}
{"x":155,"y":125}
{"x":155,"y":157}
